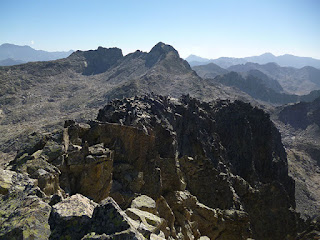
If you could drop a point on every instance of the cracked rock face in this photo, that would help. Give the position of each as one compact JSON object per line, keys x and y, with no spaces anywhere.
{"x":164,"y":168}
{"x":228,"y":155}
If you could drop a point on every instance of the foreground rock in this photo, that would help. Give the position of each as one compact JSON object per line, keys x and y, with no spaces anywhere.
{"x":77,"y":217}
{"x":23,"y":213}
{"x":71,"y":218}
{"x":179,"y":169}
{"x":228,"y":155}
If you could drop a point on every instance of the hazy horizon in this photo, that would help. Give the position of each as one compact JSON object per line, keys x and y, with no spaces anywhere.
{"x":209,"y":29}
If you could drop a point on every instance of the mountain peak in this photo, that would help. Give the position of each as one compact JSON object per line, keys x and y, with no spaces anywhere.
{"x":195,"y":58}
{"x":159,"y":52}
{"x":267,"y":54}
{"x":163,"y":48}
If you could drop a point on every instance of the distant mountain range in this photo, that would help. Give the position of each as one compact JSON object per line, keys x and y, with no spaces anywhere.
{"x":286,"y":60}
{"x":262,"y":88}
{"x":268,"y":82}
{"x":293,"y":80}
{"x":284,"y":79}
{"x":11,"y":54}
{"x":10,"y":62}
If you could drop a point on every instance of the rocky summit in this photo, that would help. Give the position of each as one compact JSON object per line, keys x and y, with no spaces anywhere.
{"x":154,"y":167}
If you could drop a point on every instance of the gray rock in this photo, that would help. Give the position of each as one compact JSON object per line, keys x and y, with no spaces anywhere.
{"x":23,"y":214}
{"x":71,"y":218}
{"x":108,"y":218}
{"x":144,"y":203}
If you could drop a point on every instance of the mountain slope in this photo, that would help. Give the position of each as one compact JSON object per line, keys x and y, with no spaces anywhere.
{"x":210,"y":70}
{"x":10,"y":62}
{"x":28,"y":54}
{"x":300,"y":129}
{"x":40,"y":94}
{"x":267,"y":81}
{"x":259,"y":89}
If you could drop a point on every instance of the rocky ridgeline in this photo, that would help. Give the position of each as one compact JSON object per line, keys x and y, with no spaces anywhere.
{"x":302,"y":114}
{"x":160,"y":168}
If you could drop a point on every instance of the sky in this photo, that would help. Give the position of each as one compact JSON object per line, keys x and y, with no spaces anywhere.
{"x":207,"y":28}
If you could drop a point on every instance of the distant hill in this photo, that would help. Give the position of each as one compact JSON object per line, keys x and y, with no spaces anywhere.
{"x":210,"y":70}
{"x":259,"y":82}
{"x":286,"y":60}
{"x":10,"y":62}
{"x":295,"y":81}
{"x":301,"y":115}
{"x":22,"y":54}
{"x":194,"y":58}
{"x":260,"y":87}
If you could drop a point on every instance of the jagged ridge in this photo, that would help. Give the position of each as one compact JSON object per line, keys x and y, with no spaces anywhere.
{"x":181,"y":153}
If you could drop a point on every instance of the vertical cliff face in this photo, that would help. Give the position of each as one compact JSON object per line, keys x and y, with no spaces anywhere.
{"x":230,"y":155}
{"x":97,"y":61}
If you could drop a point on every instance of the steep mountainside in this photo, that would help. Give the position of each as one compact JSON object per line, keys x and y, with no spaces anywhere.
{"x":286,"y":60}
{"x":294,"y":81}
{"x":41,"y":94}
{"x":302,"y":114}
{"x":179,"y":168}
{"x":300,"y":128}
{"x":267,"y":81}
{"x":28,"y":54}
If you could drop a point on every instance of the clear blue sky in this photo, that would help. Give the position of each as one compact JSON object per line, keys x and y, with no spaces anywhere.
{"x":206,"y":28}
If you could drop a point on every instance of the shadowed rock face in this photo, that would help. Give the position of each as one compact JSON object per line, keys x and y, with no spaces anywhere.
{"x":251,"y":144}
{"x":100,"y":60}
{"x":302,"y":114}
{"x":214,"y":144}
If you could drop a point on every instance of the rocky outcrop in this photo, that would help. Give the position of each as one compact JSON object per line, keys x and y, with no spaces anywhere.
{"x":87,"y":170}
{"x":77,"y":217}
{"x":302,"y":114}
{"x":195,"y":219}
{"x":179,"y":169}
{"x":98,"y":61}
{"x":312,"y":231}
{"x":23,"y":212}
{"x":71,"y":218}
{"x":226,"y":155}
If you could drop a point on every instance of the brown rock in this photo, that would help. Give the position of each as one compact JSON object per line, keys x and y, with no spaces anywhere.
{"x":88,"y":170}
